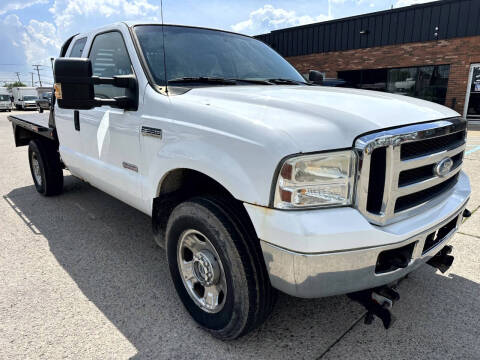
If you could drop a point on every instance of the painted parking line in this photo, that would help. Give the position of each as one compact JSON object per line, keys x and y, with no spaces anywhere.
{"x":473,"y":150}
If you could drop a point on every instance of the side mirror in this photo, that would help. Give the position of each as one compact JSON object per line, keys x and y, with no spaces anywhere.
{"x":74,"y":86}
{"x":315,"y":77}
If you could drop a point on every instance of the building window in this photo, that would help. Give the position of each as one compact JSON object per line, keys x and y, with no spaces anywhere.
{"x":424,"y":82}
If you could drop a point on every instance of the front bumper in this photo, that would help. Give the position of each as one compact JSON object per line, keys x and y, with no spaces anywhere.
{"x":316,"y":253}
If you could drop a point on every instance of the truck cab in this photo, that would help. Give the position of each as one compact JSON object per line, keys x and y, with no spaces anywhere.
{"x":256,"y":180}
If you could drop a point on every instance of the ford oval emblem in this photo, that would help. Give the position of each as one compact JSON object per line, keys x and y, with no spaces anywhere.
{"x":443,"y":167}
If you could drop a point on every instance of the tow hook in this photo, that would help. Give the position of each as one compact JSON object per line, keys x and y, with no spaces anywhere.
{"x":467,"y":213}
{"x":377,"y":302}
{"x":443,"y":260}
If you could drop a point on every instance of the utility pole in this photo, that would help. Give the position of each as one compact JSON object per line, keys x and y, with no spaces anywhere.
{"x":38,"y":72}
{"x":18,"y":76}
{"x":32,"y":78}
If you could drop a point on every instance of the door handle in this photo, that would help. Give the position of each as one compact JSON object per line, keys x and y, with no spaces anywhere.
{"x":76,"y":120}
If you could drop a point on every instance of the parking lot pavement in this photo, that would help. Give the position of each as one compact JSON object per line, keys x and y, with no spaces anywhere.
{"x":80,"y":277}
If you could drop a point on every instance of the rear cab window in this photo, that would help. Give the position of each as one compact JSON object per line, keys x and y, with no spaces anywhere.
{"x":77,"y":48}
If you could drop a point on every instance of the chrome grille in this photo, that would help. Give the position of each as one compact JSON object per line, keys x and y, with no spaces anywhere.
{"x":397,"y":175}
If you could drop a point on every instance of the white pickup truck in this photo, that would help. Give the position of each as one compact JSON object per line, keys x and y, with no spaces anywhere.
{"x":255,"y":179}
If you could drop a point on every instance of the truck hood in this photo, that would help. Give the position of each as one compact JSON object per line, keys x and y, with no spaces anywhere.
{"x":315,"y":117}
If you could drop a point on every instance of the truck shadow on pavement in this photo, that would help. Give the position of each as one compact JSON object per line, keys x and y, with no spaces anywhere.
{"x":108,"y":250}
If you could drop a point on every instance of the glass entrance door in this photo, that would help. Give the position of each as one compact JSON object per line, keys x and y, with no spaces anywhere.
{"x":472,"y":103}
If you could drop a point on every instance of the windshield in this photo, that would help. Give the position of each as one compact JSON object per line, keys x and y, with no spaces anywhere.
{"x":29,"y":98}
{"x":194,"y":53}
{"x":4,"y":97}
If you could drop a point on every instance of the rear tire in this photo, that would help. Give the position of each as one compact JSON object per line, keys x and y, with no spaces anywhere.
{"x":248,"y":297}
{"x":45,"y":167}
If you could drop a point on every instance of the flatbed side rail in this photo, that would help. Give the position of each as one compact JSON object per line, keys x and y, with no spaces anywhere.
{"x":24,"y":131}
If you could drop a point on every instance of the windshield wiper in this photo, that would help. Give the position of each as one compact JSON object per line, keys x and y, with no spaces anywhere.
{"x":254,"y":81}
{"x":203,"y":80}
{"x":234,"y":81}
{"x":217,"y":80}
{"x":281,"y":81}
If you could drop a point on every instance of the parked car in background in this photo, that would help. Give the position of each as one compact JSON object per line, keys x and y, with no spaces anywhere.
{"x":335,"y":82}
{"x":318,"y":78}
{"x":5,"y":102}
{"x":24,"y":97}
{"x":44,"y":102}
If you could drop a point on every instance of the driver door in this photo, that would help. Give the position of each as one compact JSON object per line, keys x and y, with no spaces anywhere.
{"x":111,"y":135}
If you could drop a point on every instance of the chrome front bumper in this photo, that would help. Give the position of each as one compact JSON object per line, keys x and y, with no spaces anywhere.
{"x":319,"y":275}
{"x":335,"y":251}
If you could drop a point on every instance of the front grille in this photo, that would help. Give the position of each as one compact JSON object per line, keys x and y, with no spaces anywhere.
{"x":431,"y":146}
{"x":420,"y":197}
{"x":426,"y":172}
{"x":376,"y":183}
{"x":399,"y":171}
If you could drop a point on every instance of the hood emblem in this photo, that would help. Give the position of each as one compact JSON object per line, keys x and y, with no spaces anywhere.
{"x":443,"y":167}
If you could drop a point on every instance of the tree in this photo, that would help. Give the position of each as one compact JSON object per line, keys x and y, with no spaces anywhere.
{"x":15,"y":84}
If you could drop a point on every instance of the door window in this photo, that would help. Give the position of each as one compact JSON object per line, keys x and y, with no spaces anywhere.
{"x":109,"y":57}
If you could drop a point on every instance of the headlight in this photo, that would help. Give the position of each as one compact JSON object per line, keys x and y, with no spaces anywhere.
{"x":319,"y":180}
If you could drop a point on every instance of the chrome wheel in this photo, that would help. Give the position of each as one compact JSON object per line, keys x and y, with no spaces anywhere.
{"x":202,"y":271}
{"x":37,"y":173}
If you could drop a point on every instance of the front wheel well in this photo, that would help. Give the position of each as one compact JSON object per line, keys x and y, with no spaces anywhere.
{"x":177,"y":186}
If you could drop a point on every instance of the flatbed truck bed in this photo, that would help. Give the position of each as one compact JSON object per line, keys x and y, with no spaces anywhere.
{"x":26,"y":126}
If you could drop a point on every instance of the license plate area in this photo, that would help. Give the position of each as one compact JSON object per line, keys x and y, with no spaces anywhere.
{"x":436,"y":237}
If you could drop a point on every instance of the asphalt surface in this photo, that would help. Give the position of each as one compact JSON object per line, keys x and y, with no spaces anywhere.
{"x":80,"y":277}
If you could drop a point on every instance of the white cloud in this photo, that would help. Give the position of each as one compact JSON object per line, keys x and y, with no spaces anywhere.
{"x":67,"y":12}
{"x":40,"y":42}
{"x":35,"y":42}
{"x":19,"y":5}
{"x":38,"y":39}
{"x":269,"y":18}
{"x":12,"y":20}
{"x":401,"y":3}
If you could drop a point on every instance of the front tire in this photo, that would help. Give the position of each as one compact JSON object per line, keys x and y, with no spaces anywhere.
{"x":45,"y":167}
{"x":225,"y":288}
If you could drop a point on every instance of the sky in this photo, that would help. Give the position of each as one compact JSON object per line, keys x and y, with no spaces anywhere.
{"x":32,"y":31}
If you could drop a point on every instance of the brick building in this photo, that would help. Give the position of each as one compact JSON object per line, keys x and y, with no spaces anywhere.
{"x":430,"y":51}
